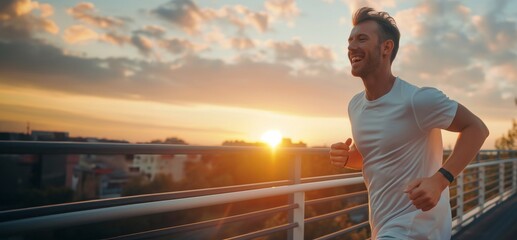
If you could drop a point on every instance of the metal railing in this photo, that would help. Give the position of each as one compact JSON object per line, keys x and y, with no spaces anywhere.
{"x":487,"y":182}
{"x":483,"y":185}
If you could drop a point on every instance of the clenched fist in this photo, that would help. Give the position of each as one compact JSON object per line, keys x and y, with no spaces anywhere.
{"x":340,"y":153}
{"x":425,"y":192}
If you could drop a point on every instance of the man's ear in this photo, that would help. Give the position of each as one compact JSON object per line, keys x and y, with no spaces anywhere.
{"x":387,"y":47}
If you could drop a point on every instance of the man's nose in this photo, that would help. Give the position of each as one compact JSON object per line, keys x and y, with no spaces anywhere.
{"x":352,"y":46}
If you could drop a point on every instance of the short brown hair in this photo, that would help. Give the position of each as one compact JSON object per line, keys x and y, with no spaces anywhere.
{"x":387,"y":26}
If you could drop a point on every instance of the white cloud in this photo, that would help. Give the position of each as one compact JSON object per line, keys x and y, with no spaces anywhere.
{"x":377,"y":5}
{"x":296,"y":50}
{"x":186,"y":15}
{"x":152,"y":31}
{"x":242,"y":43}
{"x":282,"y":8}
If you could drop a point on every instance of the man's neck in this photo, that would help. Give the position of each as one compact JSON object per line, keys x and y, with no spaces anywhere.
{"x":377,"y":85}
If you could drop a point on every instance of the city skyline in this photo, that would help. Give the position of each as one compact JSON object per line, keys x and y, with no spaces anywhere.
{"x":212,"y":71}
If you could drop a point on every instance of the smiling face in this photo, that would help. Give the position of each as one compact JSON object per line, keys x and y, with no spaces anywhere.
{"x":364,"y":50}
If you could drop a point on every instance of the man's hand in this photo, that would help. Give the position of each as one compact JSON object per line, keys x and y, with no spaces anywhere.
{"x":340,"y":153}
{"x":425,"y":192}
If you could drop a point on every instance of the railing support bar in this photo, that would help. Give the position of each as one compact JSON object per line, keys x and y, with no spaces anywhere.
{"x":481,"y":189}
{"x":297,"y":215}
{"x":501,"y":181}
{"x":514,"y":177}
{"x":459,"y":192}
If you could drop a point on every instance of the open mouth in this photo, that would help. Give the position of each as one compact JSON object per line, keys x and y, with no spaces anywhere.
{"x":356,"y":59}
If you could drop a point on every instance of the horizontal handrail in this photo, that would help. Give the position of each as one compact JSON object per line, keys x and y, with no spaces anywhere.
{"x":330,"y":177}
{"x":470,"y":200}
{"x":125,"y":211}
{"x":332,"y":198}
{"x":484,"y":164}
{"x":343,"y":231}
{"x":41,"y":147}
{"x":10,"y":215}
{"x":473,"y":190}
{"x":53,"y":147}
{"x":470,"y":182}
{"x":204,"y":224}
{"x":265,"y":232}
{"x":492,"y":175}
{"x":492,"y":182}
{"x":491,"y":190}
{"x":336,"y":213}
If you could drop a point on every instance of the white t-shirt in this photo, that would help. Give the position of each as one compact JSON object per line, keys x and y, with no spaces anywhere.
{"x":399,"y":138}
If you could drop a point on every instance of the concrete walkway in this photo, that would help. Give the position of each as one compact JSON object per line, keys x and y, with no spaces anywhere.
{"x":499,"y":223}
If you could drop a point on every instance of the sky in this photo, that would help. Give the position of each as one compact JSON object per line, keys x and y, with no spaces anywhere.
{"x":210,"y":71}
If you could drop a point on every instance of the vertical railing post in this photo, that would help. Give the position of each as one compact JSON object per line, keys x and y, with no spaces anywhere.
{"x":298,"y":214}
{"x":514,"y":177}
{"x":459,"y":193}
{"x":501,"y":181}
{"x":481,"y":184}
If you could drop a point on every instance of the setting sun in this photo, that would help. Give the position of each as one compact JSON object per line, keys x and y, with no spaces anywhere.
{"x":272,"y":138}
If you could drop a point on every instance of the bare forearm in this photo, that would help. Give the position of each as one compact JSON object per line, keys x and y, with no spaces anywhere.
{"x":467,"y":146}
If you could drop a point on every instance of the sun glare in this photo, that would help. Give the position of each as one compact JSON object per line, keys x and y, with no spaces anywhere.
{"x":272,"y":138}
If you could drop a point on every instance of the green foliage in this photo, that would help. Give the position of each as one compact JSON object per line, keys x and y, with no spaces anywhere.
{"x":509,"y":140}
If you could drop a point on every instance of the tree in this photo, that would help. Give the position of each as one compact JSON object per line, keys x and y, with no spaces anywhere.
{"x":509,"y":140}
{"x":170,"y":140}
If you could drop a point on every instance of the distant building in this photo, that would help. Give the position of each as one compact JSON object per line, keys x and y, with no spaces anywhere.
{"x":49,"y":136}
{"x":42,"y":170}
{"x":287,"y":142}
{"x":153,"y":165}
{"x":242,"y":143}
{"x":100,"y":176}
{"x":20,"y":173}
{"x":12,"y":136}
{"x":90,"y":176}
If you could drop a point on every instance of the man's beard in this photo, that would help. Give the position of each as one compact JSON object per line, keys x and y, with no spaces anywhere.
{"x":373,"y":63}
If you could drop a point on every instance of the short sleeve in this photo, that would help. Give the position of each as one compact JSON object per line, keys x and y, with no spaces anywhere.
{"x":433,"y":109}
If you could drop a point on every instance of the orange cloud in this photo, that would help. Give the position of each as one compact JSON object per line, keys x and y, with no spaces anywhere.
{"x":18,"y":21}
{"x":49,"y":26}
{"x":115,"y":38}
{"x":79,"y":33}
{"x":242,"y":43}
{"x":46,"y":10}
{"x":85,"y":12}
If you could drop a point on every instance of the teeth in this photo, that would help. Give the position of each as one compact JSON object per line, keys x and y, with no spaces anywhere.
{"x":356,"y":59}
